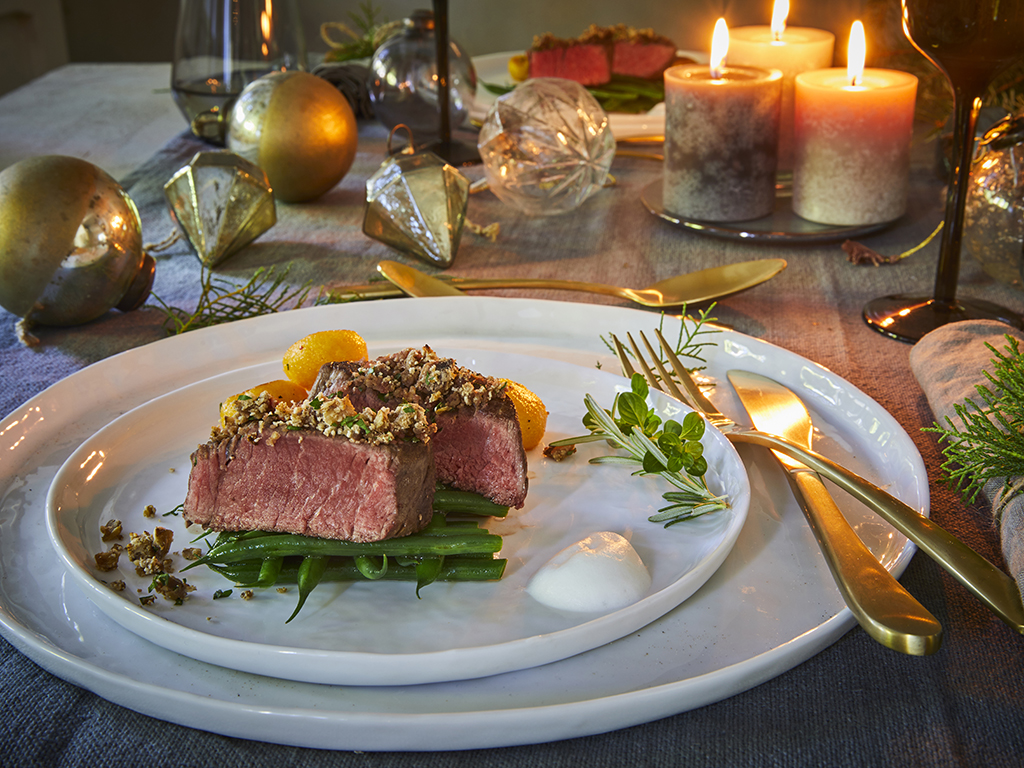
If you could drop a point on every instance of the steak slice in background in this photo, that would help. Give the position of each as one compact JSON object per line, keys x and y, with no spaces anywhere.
{"x":478,"y":445}
{"x":302,"y":481}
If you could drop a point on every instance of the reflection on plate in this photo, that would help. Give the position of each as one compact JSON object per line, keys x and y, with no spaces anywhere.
{"x":781,"y":226}
{"x":493,"y":69}
{"x":770,"y":606}
{"x":381,"y":633}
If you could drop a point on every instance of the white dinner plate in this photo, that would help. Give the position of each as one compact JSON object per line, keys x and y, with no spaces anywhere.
{"x":381,"y":633}
{"x":771,"y":605}
{"x":493,"y":68}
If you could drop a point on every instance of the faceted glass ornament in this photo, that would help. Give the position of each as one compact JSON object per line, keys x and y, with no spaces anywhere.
{"x":546,"y":146}
{"x":222,"y":202}
{"x":994,"y":212}
{"x":416,"y":203}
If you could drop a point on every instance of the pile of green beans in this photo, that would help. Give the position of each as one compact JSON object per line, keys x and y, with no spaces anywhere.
{"x":448,"y":549}
{"x":622,"y":93}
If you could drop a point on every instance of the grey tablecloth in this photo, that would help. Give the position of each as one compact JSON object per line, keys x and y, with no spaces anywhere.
{"x":855,"y":704}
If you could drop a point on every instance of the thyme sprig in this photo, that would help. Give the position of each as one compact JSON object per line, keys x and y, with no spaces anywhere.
{"x":670,"y":450}
{"x":990,"y":445}
{"x":222,"y":301}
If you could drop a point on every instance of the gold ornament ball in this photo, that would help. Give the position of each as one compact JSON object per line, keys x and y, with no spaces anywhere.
{"x":299,"y":129}
{"x":70,"y":243}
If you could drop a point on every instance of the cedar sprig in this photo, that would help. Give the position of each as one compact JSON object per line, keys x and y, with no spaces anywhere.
{"x":990,"y":443}
{"x":222,"y":301}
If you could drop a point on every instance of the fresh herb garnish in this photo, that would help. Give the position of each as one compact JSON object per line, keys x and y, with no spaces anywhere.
{"x":221,"y":593}
{"x":991,"y":443}
{"x":670,"y":450}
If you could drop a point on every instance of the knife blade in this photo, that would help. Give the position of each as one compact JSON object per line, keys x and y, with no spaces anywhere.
{"x":414,"y":282}
{"x":885,"y":610}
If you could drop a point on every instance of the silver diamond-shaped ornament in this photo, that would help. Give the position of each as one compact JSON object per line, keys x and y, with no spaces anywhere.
{"x":222,"y":202}
{"x":416,"y":203}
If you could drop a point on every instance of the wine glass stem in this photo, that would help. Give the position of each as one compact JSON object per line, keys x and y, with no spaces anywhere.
{"x":966,"y":106}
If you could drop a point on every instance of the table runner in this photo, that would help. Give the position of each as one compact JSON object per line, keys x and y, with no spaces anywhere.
{"x":853,"y":704}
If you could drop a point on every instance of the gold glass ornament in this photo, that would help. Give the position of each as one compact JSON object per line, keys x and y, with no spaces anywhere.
{"x":222,"y":202}
{"x":298,"y":128}
{"x":416,"y":203}
{"x":70,"y":243}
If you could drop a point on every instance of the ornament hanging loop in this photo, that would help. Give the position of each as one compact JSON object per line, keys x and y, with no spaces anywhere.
{"x":408,"y":149}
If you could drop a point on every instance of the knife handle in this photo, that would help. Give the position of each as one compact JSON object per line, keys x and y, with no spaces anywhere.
{"x":885,"y":610}
{"x":994,"y":588}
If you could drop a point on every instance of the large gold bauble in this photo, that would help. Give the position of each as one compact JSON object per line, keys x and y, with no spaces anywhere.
{"x":299,"y":129}
{"x":70,"y":242}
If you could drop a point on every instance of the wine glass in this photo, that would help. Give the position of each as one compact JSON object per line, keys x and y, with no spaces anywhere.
{"x":969,"y":41}
{"x":221,"y":46}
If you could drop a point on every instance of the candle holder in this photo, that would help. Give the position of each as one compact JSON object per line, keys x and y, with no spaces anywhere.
{"x":969,"y":44}
{"x":455,"y":151}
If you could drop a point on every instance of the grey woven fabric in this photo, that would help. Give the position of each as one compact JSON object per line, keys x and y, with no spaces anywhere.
{"x":855,"y":704}
{"x":949,"y":364}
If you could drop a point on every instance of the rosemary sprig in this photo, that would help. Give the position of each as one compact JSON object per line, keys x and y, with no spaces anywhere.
{"x":671,"y":450}
{"x":221,"y":301}
{"x":990,"y":445}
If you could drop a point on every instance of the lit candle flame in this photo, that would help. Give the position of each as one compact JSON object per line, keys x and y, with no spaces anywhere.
{"x":856,"y":54}
{"x":779,"y":13}
{"x":719,"y":47}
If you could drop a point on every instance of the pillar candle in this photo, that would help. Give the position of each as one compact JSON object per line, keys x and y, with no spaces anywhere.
{"x":852,"y":161}
{"x":721,"y":138}
{"x":795,"y":50}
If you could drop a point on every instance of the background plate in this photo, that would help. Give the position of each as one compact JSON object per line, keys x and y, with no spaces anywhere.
{"x":382,"y":634}
{"x":771,"y":605}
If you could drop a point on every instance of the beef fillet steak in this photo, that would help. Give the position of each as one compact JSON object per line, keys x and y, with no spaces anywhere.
{"x":328,"y":471}
{"x":478,"y":445}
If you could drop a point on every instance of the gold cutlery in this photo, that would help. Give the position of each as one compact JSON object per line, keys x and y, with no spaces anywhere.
{"x":692,"y":288}
{"x":885,"y":610}
{"x":994,"y":588}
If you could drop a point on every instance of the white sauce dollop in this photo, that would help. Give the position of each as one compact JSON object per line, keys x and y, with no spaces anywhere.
{"x":600,"y":573}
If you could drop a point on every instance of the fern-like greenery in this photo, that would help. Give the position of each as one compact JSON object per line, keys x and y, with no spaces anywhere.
{"x":222,"y":301}
{"x":990,"y":443}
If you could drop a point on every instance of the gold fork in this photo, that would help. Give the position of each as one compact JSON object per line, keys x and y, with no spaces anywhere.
{"x":995,"y":589}
{"x":881,"y":605}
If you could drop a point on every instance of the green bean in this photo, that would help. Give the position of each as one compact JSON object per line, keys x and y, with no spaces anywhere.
{"x":341,"y":569}
{"x":427,"y":571}
{"x":437,"y":539}
{"x":371,"y":568}
{"x":269,"y":571}
{"x":449,"y":501}
{"x":310,"y":573}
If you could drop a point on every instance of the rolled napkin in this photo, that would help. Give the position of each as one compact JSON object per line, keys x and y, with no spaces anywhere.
{"x":948,"y":364}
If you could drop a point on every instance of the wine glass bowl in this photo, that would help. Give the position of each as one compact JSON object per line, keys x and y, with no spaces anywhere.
{"x":970,"y":41}
{"x":221,"y":46}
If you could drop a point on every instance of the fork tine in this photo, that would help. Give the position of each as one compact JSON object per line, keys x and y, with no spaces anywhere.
{"x":666,"y":379}
{"x":620,"y":352}
{"x":695,"y":396}
{"x":651,"y":377}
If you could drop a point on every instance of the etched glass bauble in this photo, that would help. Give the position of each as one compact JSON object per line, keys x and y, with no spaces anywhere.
{"x":546,"y":146}
{"x":994,"y":211}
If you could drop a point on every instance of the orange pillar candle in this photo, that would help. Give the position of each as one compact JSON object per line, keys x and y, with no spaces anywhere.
{"x":790,"y":49}
{"x":852,"y":133}
{"x":721,"y":138}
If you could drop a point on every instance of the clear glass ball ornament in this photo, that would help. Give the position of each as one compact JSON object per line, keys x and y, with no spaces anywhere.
{"x":546,"y":146}
{"x":994,"y":211}
{"x":403,"y":80}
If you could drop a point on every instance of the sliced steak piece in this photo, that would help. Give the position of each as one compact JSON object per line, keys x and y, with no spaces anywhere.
{"x":478,"y":445}
{"x":307,"y":483}
{"x":587,"y":64}
{"x":326,"y":470}
{"x":640,"y":52}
